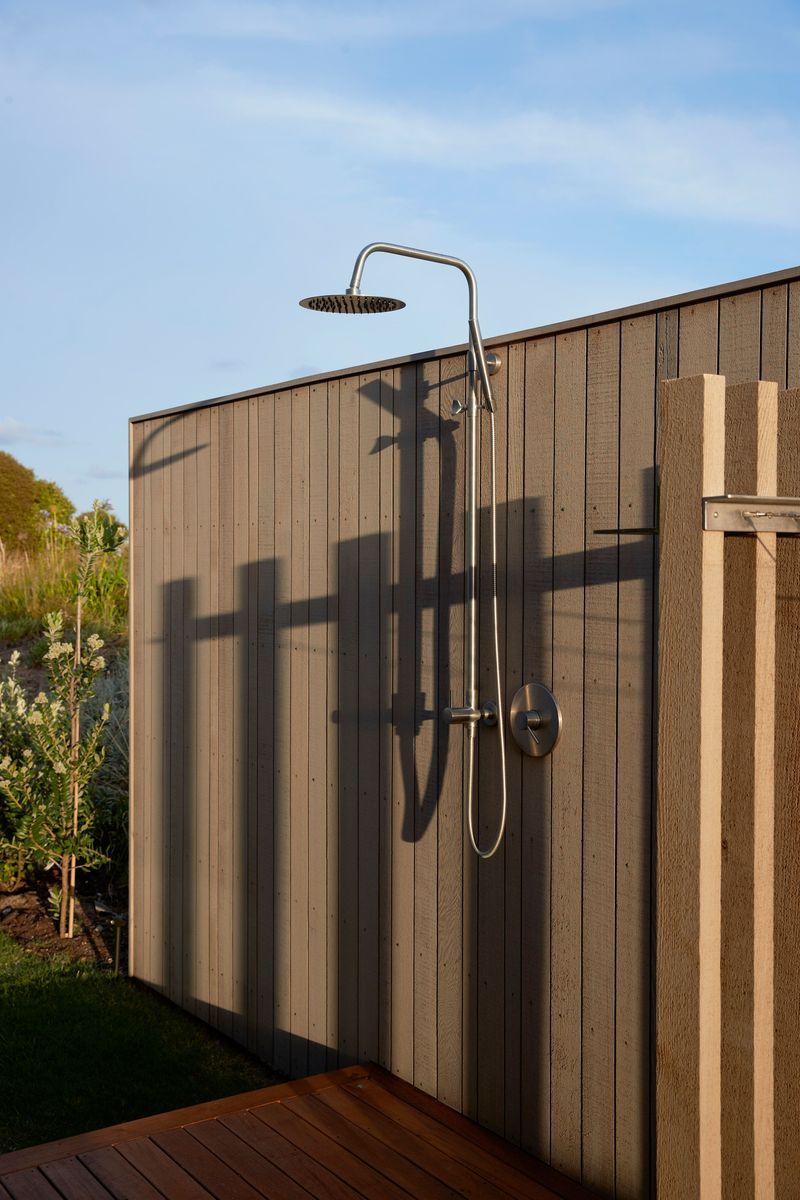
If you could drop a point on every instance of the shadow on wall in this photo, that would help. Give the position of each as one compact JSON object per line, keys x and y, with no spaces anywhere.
{"x":301,"y":875}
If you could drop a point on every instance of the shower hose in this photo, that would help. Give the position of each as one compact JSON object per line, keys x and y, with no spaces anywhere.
{"x":500,"y":719}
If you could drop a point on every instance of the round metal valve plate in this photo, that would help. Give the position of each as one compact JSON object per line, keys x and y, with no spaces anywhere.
{"x":535,"y":720}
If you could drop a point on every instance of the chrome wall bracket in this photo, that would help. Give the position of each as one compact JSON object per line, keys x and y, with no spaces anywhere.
{"x":535,"y":720}
{"x":751,"y":514}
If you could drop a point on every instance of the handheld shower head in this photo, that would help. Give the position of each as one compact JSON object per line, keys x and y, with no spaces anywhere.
{"x":352,"y":302}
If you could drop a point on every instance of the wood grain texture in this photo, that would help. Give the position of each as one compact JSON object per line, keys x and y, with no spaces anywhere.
{"x":692,"y":450}
{"x":740,"y":337}
{"x":748,"y":804}
{"x":786,"y":962}
{"x":698,"y":338}
{"x":774,"y":331}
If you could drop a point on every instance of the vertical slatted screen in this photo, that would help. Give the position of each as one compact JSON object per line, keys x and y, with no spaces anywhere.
{"x":300,"y":873}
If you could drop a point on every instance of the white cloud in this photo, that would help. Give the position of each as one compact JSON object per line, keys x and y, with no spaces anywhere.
{"x":14,"y":432}
{"x":104,"y":473}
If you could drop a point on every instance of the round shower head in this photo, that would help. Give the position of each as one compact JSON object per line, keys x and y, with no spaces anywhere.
{"x":352,"y":303}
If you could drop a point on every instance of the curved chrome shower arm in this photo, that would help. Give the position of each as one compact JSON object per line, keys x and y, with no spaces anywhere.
{"x":445,"y":260}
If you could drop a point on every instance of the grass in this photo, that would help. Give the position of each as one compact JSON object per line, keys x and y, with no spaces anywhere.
{"x":81,"y":1049}
{"x":30,"y":587}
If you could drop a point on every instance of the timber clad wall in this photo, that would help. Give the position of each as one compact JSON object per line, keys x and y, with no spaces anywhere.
{"x":300,"y":872}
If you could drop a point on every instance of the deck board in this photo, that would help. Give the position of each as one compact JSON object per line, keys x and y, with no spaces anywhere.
{"x":356,"y":1132}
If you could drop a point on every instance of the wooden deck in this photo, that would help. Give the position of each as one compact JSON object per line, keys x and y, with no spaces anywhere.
{"x":358,"y":1132}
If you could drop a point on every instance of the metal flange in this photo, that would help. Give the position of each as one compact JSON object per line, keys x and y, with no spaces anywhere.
{"x":535,"y":720}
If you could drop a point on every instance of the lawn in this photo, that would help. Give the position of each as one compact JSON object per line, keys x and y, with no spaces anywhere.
{"x":81,"y":1048}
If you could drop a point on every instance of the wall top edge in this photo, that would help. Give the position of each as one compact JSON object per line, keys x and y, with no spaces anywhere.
{"x":717,"y":292}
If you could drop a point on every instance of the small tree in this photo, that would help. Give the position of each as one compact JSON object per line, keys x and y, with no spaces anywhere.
{"x":42,"y":782}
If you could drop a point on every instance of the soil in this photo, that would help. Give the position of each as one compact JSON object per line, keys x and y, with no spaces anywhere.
{"x":33,"y":679}
{"x":24,"y":916}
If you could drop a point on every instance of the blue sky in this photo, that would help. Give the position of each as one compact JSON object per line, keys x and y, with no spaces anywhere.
{"x":178,"y":173}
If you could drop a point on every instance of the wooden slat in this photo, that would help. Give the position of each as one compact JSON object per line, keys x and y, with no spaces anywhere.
{"x":537,"y":773}
{"x":793,"y":338}
{"x":369,"y":719}
{"x":598,"y":1050}
{"x":786,"y":964}
{"x":692,"y":433}
{"x":403,"y":655}
{"x":774,"y":322}
{"x":267,"y":570}
{"x":318,"y":708}
{"x":213,"y":718}
{"x":281,"y":811}
{"x":385,"y":731}
{"x":200,"y":765}
{"x":298,"y":630}
{"x":240,"y":748}
{"x":698,"y":339}
{"x":568,"y":618}
{"x":426,"y":720}
{"x":139,"y":590}
{"x":332,"y":732}
{"x":249,"y":656}
{"x":512,"y":678}
{"x":740,"y":337}
{"x":348,"y":940}
{"x":490,"y":963}
{"x":30,"y":1185}
{"x":175,"y":695}
{"x":192,"y":923}
{"x":451,"y":742}
{"x":120,"y":1178}
{"x":159,"y":937}
{"x":637,"y":510}
{"x":227,"y":965}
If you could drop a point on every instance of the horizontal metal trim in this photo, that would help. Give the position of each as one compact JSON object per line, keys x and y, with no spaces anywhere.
{"x":751,"y":514}
{"x":718,"y":292}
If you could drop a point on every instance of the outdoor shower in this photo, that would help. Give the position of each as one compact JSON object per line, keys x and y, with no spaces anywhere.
{"x":536,"y":726}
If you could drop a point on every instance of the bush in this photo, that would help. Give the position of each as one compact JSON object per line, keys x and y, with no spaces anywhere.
{"x":23,"y":501}
{"x":109,"y":788}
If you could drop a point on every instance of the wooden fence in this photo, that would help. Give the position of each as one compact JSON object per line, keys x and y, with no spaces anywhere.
{"x":300,"y":875}
{"x":728,"y":845}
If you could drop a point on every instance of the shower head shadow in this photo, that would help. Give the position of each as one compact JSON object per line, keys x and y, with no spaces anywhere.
{"x":351,"y":302}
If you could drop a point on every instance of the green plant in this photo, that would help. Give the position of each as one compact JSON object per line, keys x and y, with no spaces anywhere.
{"x":45,"y":783}
{"x":14,"y":739}
{"x":109,"y":788}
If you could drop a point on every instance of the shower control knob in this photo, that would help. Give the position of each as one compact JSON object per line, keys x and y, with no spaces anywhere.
{"x":535,"y":720}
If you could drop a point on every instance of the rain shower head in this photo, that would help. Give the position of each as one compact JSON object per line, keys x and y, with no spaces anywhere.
{"x":352,"y":302}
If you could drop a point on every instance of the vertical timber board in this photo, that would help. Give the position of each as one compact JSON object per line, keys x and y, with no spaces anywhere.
{"x":787,"y":815}
{"x":647,"y":347}
{"x":793,"y":338}
{"x":158,"y":936}
{"x":240,"y":749}
{"x":748,"y":801}
{"x":600,"y":756}
{"x":190,"y":930}
{"x":692,"y":457}
{"x":251,"y":670}
{"x":213,"y":717}
{"x":281,"y":799}
{"x":385,"y":733}
{"x":176,"y":797}
{"x":226,"y":719}
{"x":774,"y":321}
{"x":349,"y":596}
{"x":369,"y":718}
{"x":298,"y":628}
{"x":265,"y":712}
{"x":537,"y":773}
{"x":512,"y":679}
{"x":139,"y":583}
{"x":491,"y":874}
{"x":332,"y":733}
{"x":427,"y":726}
{"x":150,"y":707}
{"x":698,"y":338}
{"x":202,"y":714}
{"x":403,"y":656}
{"x":317,"y":724}
{"x":740,"y":337}
{"x":451,"y":746}
{"x":567,"y":768}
